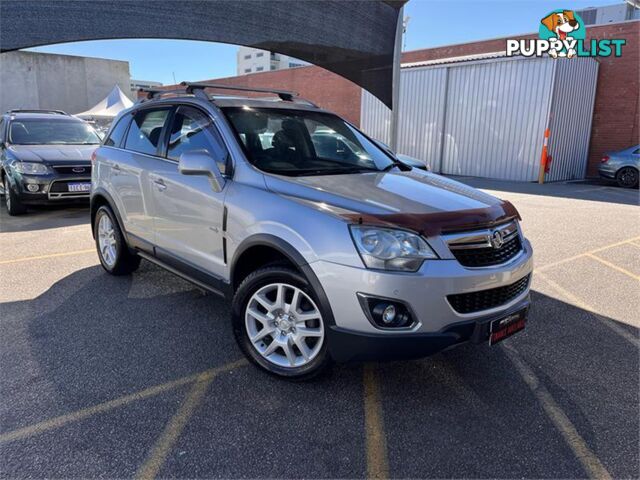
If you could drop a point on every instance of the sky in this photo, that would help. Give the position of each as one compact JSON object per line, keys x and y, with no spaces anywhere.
{"x":431,"y":23}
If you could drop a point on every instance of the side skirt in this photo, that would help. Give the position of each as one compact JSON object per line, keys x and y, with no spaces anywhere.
{"x":205,"y":281}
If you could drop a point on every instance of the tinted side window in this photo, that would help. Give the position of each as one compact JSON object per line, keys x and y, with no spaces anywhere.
{"x":117,"y":133}
{"x":145,"y":130}
{"x":193,"y":129}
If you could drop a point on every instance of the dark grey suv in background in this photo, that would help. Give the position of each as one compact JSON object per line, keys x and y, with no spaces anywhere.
{"x":45,"y":157}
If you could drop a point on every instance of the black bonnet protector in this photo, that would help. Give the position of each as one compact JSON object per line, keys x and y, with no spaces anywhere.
{"x":436,"y":223}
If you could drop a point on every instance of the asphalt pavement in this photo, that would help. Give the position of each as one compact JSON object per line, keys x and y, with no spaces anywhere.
{"x":119,"y":377}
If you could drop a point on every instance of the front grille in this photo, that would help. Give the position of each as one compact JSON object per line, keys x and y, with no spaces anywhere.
{"x":84,"y":170}
{"x":486,"y":299}
{"x":488,"y":256}
{"x":60,"y":190}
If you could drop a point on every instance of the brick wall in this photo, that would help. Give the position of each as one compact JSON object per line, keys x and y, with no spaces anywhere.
{"x":324,"y":88}
{"x":616,"y":111}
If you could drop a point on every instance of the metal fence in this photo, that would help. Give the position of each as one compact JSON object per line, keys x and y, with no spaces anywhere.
{"x":487,"y":118}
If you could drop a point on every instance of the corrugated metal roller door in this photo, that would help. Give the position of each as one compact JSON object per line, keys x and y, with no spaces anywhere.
{"x":496,"y":116}
{"x":491,"y":116}
{"x":422,"y":105}
{"x":570,"y":118}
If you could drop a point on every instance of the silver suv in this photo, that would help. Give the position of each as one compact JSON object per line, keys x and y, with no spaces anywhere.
{"x":328,"y":246}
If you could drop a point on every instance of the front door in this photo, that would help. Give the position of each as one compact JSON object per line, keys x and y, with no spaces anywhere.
{"x":187,"y":212}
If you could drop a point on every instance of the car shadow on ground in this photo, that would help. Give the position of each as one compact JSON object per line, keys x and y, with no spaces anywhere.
{"x":44,"y":217}
{"x":467,"y":412}
{"x":595,"y":190}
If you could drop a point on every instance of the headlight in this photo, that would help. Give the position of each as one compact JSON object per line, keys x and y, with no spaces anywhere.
{"x":31,"y":168}
{"x":390,"y":249}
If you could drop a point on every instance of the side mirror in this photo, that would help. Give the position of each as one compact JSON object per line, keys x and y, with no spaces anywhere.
{"x":200,"y":162}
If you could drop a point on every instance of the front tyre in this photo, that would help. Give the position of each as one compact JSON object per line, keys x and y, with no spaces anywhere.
{"x":11,"y":200}
{"x":113,"y":252}
{"x":278,"y":324}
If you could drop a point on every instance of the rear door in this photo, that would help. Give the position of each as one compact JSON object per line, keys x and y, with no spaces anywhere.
{"x":130,"y":168}
{"x":187,"y":212}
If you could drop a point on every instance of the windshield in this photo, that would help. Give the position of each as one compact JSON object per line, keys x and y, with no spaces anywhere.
{"x":51,"y":132}
{"x":298,"y":142}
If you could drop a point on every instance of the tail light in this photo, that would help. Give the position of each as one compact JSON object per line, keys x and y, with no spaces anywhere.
{"x":605,"y":159}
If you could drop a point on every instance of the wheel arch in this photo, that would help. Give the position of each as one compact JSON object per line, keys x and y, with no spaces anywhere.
{"x":99,"y":198}
{"x":265,"y":242}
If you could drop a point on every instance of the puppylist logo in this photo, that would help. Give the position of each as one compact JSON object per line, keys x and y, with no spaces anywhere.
{"x":562,"y":35}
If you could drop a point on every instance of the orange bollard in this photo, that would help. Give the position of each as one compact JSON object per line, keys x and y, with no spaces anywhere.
{"x":543,"y":157}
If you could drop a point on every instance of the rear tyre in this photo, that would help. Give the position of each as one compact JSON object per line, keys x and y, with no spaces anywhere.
{"x":279,"y":325}
{"x":627,"y":177}
{"x":113,"y":251}
{"x":11,"y":200}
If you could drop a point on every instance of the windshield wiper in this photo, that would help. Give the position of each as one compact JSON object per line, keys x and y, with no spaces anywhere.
{"x":397,"y":163}
{"x":330,"y":171}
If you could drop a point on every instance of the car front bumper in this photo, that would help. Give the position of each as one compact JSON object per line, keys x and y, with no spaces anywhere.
{"x":52,"y":188}
{"x":347,"y":345}
{"x":437,"y":324}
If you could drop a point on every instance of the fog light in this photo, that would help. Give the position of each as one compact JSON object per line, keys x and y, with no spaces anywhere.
{"x":389,"y":314}
{"x":33,"y":187}
{"x":386,"y":313}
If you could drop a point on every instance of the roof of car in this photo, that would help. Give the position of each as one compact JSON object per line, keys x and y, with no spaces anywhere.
{"x":43,"y":116}
{"x":263,"y":103}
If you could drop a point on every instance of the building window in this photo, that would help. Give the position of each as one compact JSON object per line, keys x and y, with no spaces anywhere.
{"x":293,"y":65}
{"x":247,"y":57}
{"x":259,"y":69}
{"x":247,"y":70}
{"x":259,"y":54}
{"x":273,"y":67}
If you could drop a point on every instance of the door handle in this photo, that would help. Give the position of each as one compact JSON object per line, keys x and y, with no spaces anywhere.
{"x":160,"y":184}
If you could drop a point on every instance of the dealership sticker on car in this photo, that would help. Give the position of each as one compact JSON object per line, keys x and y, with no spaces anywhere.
{"x":79,"y":187}
{"x":505,"y":327}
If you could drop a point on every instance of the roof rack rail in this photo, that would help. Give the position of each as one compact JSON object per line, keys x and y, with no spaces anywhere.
{"x":285,"y":95}
{"x":198,"y":89}
{"x":156,"y":92}
{"x":36,"y":110}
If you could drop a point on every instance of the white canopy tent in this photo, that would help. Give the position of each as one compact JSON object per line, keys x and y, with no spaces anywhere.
{"x":108,"y":107}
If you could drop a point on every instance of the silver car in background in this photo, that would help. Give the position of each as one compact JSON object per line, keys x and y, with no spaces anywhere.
{"x":328,"y":247}
{"x":622,"y":166}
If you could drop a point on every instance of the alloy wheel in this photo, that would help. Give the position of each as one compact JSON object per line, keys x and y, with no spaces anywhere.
{"x":284,"y":325}
{"x":107,"y":241}
{"x":7,"y":195}
{"x":628,"y":177}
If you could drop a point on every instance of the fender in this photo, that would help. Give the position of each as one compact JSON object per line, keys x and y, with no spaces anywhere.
{"x":295,"y":257}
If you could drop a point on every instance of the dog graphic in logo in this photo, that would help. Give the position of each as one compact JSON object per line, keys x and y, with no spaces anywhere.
{"x":562,"y":24}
